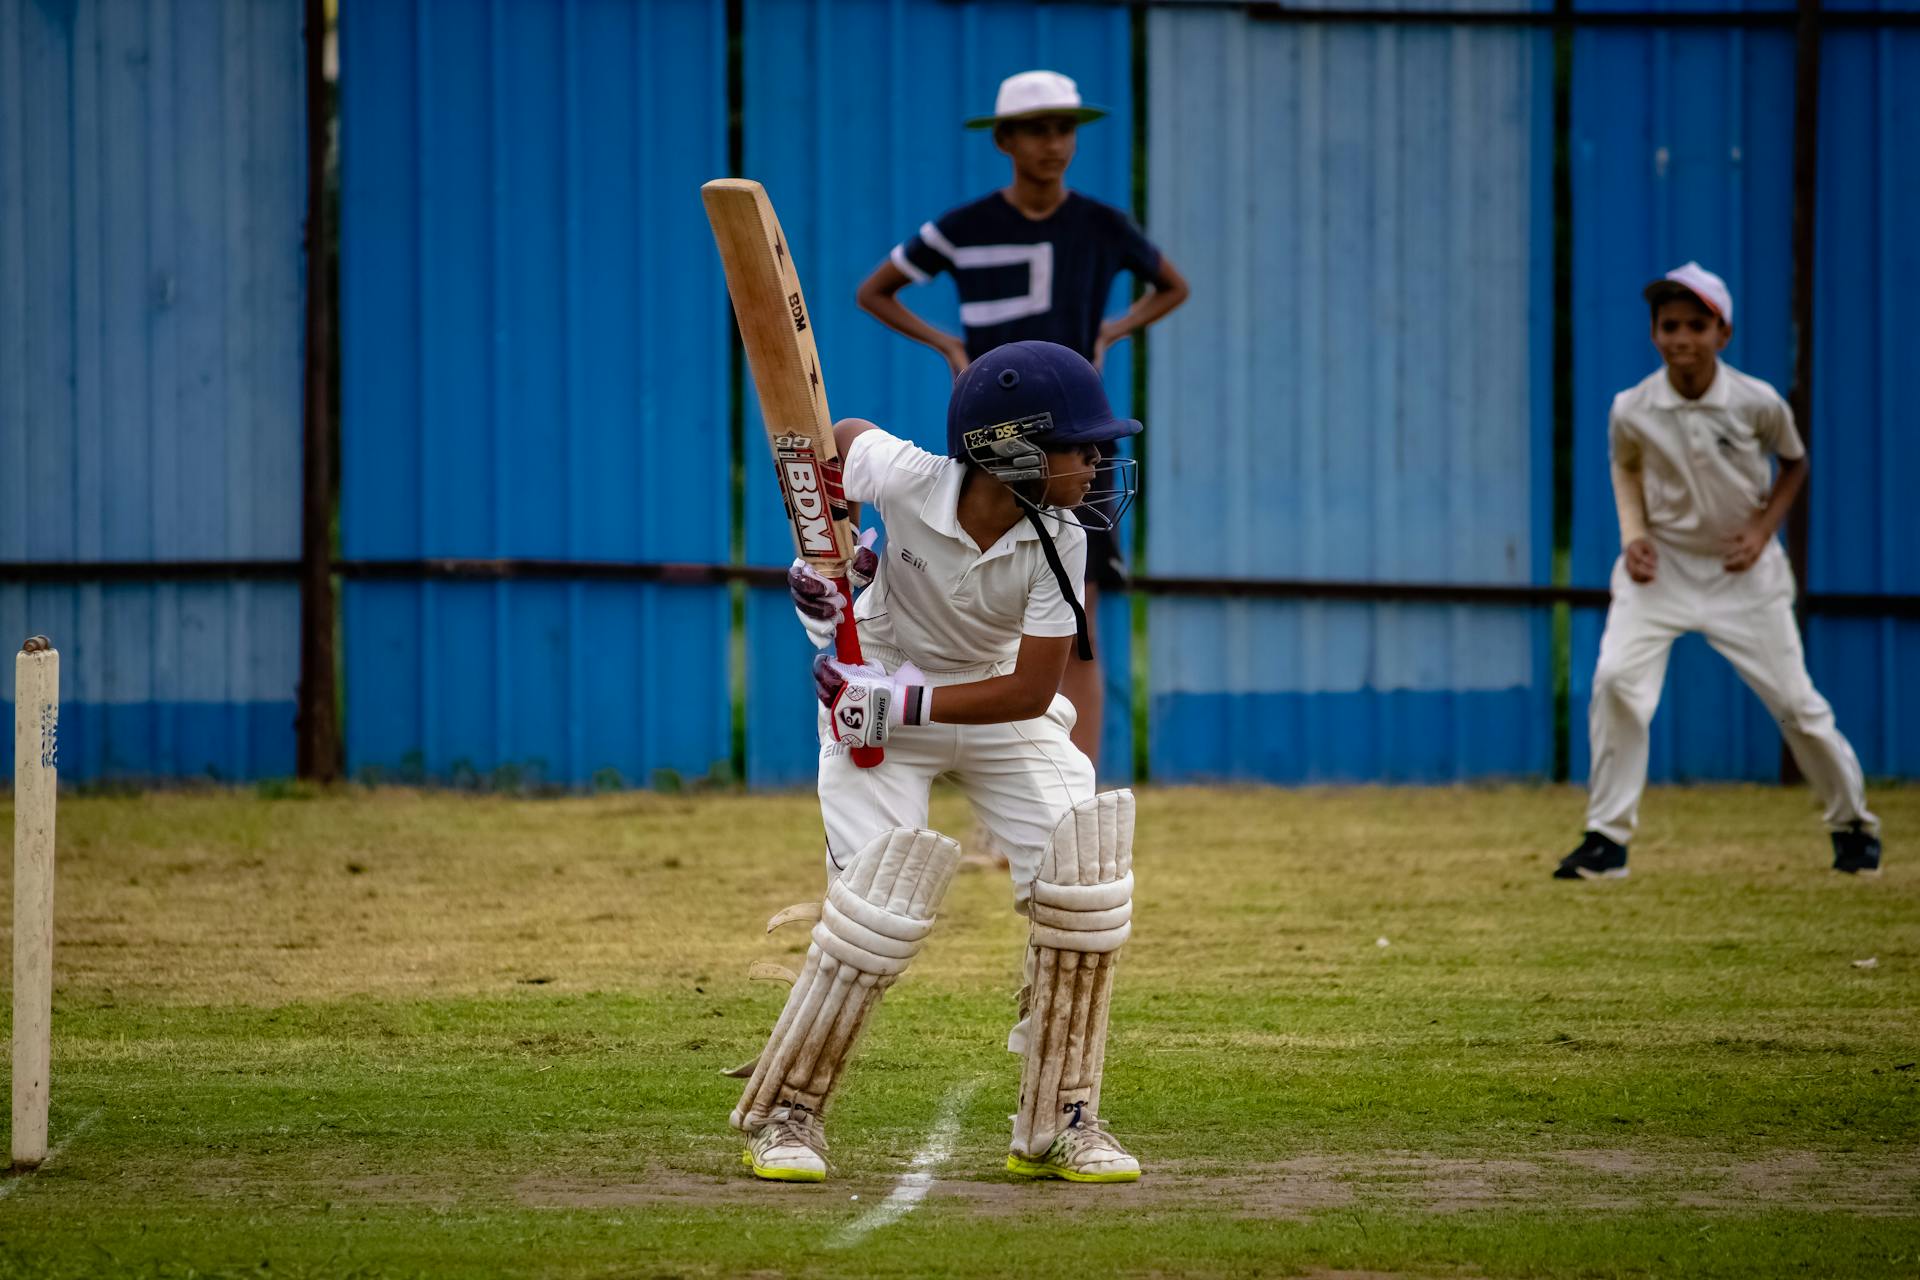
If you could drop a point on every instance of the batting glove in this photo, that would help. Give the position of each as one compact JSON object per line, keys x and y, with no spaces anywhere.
{"x":815,"y":598}
{"x":864,"y":704}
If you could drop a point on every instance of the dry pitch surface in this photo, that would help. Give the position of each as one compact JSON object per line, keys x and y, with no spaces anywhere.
{"x":1359,"y":1032}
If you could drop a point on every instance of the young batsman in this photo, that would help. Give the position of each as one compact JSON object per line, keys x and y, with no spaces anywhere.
{"x":1691,"y":447}
{"x":965,"y":628}
{"x":1035,"y":260}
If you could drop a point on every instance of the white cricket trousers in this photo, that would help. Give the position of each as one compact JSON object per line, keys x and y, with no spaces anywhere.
{"x":1748,"y":618}
{"x":1021,"y":779}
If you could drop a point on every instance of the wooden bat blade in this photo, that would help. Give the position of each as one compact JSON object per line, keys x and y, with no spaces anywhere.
{"x":777,"y":331}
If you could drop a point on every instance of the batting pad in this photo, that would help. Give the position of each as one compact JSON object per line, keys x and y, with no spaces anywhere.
{"x":873,"y":922}
{"x":1081,"y":913}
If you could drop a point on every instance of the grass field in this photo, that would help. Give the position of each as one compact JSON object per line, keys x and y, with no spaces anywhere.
{"x":391,"y":1033}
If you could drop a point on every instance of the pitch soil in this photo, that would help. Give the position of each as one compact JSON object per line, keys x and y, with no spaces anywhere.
{"x":1615,"y":1181}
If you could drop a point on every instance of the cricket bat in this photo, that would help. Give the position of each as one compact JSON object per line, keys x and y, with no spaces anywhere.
{"x":778,"y":335}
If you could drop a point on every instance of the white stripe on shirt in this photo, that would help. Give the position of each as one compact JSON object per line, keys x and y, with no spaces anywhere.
{"x":937,"y":242}
{"x":1038,"y":300}
{"x":911,"y":272}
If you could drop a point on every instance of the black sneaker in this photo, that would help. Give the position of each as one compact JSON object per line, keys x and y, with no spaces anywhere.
{"x":1598,"y":858}
{"x":1856,"y":852}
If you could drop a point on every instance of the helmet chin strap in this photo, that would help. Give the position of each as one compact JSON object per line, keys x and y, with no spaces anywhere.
{"x":1081,"y":641}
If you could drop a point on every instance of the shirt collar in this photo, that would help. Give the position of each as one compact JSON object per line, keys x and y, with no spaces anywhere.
{"x":1715,"y":397}
{"x":940,"y":510}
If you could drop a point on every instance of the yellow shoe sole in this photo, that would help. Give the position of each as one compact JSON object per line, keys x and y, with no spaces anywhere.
{"x":781,"y":1175}
{"x":1040,"y":1169}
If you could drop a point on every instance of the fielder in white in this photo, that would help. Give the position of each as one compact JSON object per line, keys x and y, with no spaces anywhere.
{"x":1699,"y":507}
{"x":966,"y":628}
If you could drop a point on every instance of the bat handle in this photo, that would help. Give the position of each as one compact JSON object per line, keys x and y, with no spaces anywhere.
{"x":846,"y":647}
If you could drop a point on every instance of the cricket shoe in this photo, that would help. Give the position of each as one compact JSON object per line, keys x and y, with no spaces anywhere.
{"x":789,"y":1147}
{"x":1856,"y":851}
{"x":1086,"y":1152}
{"x":1597,"y":858}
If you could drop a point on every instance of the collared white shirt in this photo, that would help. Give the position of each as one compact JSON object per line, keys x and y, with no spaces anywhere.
{"x":1704,"y":464}
{"x":939,"y":599}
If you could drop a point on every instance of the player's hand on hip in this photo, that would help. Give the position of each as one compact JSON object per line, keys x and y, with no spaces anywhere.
{"x":818,"y":601}
{"x":1643,"y":561}
{"x":1746,"y":546}
{"x":955,"y":351}
{"x":864,"y":704}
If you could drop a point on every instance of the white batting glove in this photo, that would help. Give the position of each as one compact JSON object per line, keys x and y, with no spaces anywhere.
{"x":864,"y":704}
{"x":815,"y":599}
{"x":865,"y":564}
{"x":816,"y":602}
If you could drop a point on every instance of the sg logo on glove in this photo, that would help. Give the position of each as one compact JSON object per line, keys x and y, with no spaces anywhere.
{"x":850,"y":714}
{"x":864,"y":703}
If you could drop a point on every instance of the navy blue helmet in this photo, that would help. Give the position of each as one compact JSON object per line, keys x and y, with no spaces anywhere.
{"x":1047,"y":391}
{"x":1019,"y":400}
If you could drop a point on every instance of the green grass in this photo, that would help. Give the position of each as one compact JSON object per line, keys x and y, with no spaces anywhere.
{"x":391,"y":1033}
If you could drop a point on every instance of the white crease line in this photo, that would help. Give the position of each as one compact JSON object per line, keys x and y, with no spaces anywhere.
{"x":918,"y":1179}
{"x":14,"y":1183}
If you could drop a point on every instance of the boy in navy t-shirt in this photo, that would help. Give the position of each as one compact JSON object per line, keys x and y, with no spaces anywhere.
{"x":1034,"y":260}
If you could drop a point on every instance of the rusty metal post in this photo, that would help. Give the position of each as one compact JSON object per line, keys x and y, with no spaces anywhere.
{"x":1806,"y":177}
{"x":317,"y":733}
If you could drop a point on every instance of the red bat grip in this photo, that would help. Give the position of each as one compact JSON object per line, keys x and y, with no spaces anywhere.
{"x":846,"y":647}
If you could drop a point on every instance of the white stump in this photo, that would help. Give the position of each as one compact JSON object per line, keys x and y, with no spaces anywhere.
{"x":36,"y":720}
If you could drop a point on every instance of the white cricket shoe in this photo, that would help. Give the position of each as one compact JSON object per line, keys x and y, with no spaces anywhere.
{"x":1086,"y":1152}
{"x":789,"y":1147}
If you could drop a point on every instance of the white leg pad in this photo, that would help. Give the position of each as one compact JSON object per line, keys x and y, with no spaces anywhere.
{"x":873,"y":922}
{"x":1081,"y":912}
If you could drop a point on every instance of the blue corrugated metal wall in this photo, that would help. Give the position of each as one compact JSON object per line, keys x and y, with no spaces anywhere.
{"x":859,"y":140}
{"x":1862,"y":535}
{"x":152,"y":187}
{"x":1361,"y":390}
{"x":1683,"y":149}
{"x":534,"y":365}
{"x":516,"y":345}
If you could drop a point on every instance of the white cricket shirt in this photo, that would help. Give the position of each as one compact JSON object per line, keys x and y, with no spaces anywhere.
{"x":1705,"y":467}
{"x":938,"y":599}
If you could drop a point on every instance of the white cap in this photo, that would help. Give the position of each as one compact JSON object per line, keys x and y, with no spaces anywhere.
{"x":1706,"y":286}
{"x":1036,"y":93}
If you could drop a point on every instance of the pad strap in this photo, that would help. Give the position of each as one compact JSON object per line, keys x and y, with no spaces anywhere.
{"x":1085,"y":897}
{"x":849,"y":905}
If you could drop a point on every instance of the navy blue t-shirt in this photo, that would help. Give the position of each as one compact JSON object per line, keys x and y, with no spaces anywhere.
{"x":1022,"y":279}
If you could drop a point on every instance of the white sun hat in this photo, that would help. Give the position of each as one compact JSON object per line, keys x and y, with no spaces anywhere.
{"x":1702,"y":284}
{"x":1036,"y":93}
